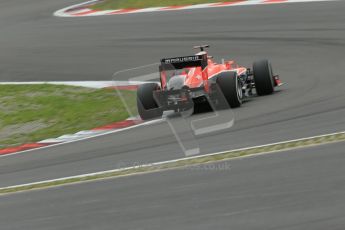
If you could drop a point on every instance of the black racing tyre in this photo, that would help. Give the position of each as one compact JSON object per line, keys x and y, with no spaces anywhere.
{"x":230,"y":86}
{"x":146,"y":104}
{"x":263,"y":77}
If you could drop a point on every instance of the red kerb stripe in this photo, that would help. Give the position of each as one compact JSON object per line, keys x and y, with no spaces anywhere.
{"x":118,"y":125}
{"x":274,"y":1}
{"x":21,"y":148}
{"x":174,"y":7}
{"x":123,"y":11}
{"x":85,"y":13}
{"x":228,"y":3}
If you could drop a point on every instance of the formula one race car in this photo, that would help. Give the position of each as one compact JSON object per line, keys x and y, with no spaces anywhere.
{"x":191,"y":82}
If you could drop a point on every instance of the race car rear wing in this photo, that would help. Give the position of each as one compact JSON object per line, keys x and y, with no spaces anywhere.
{"x":176,"y":63}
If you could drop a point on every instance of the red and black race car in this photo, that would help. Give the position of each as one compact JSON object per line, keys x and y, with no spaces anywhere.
{"x":194,"y":82}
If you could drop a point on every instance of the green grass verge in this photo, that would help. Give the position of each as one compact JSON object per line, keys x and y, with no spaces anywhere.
{"x":308,"y":142}
{"x":30,"y":113}
{"x":134,"y":4}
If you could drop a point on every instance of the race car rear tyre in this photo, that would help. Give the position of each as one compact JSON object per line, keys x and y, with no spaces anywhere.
{"x":146,"y":104}
{"x":230,"y":86}
{"x":263,"y":77}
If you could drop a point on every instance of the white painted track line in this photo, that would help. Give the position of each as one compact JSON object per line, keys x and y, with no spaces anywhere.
{"x":157,"y":164}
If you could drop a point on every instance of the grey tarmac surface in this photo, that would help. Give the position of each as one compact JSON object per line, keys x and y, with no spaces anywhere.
{"x":304,"y":41}
{"x":302,"y":189}
{"x":299,"y":189}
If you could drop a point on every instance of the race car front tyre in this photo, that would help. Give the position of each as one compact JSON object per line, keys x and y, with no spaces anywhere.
{"x":146,"y":104}
{"x":230,"y":86}
{"x":263,"y":77}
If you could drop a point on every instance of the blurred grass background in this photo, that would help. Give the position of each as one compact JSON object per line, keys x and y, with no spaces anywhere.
{"x":30,"y":113}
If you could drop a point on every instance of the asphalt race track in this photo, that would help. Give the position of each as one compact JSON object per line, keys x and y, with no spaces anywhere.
{"x":290,"y":190}
{"x":304,"y":41}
